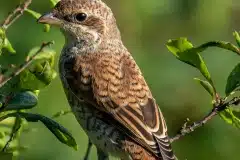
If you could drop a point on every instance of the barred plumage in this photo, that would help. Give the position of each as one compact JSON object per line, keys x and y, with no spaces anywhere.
{"x":104,"y":85}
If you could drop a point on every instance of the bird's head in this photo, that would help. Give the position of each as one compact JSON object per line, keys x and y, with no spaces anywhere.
{"x":88,"y":21}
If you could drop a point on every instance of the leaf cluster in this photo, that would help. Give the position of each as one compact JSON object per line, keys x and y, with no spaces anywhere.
{"x":19,"y":90}
{"x":184,"y":51}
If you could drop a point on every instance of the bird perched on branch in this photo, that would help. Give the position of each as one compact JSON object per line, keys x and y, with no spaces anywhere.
{"x":104,"y":86}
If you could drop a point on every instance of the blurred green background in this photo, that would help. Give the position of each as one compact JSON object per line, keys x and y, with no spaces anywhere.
{"x":146,"y":25}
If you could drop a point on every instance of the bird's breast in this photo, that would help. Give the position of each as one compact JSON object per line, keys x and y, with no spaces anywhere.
{"x":75,"y":73}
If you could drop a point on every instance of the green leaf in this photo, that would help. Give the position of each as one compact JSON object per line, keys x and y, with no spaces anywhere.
{"x":40,"y":73}
{"x":47,"y":54}
{"x":35,"y":80}
{"x":237,"y":37}
{"x":185,"y":52}
{"x":59,"y":131}
{"x":22,"y":100}
{"x":208,"y":87}
{"x":15,"y":132}
{"x":10,"y":142}
{"x":2,"y":37}
{"x":5,"y":43}
{"x":28,"y":81}
{"x":54,"y":2}
{"x":46,"y":74}
{"x":231,"y":117}
{"x":233,"y":81}
{"x":178,"y":46}
{"x":37,"y":16}
{"x":2,"y":135}
{"x":8,"y":46}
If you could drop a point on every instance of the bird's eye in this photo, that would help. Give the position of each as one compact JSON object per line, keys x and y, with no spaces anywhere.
{"x":81,"y":17}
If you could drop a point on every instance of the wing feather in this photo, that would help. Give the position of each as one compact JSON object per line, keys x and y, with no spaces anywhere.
{"x":119,"y":89}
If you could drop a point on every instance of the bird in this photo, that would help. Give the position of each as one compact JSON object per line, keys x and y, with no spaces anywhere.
{"x":104,"y":85}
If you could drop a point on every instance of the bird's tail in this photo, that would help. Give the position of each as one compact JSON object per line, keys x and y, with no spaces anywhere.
{"x":165,"y":149}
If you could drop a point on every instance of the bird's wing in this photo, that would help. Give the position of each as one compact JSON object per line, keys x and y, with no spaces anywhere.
{"x":120,"y":90}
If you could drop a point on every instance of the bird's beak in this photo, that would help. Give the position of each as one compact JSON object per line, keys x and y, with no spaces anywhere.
{"x":49,"y":18}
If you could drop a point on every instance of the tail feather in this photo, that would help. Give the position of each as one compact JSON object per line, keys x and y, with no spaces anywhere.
{"x":165,"y":149}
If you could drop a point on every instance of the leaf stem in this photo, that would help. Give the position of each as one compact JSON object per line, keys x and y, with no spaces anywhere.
{"x":220,"y":44}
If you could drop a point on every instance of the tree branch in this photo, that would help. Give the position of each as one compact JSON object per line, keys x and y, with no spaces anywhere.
{"x":29,"y":60}
{"x":218,"y":108}
{"x":15,"y":14}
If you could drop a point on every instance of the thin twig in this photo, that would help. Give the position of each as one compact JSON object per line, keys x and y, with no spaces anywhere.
{"x":15,"y":130}
{"x":24,"y":66}
{"x":15,"y":14}
{"x":188,"y":129}
{"x":86,"y":157}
